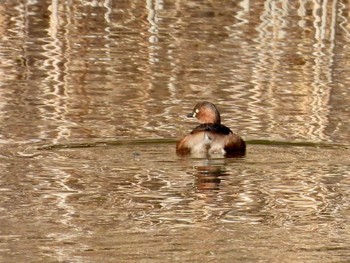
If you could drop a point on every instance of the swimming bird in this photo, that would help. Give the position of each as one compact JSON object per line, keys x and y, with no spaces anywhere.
{"x":210,"y":137}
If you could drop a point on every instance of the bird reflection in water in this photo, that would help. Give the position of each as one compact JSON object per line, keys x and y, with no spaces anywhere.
{"x":208,"y":177}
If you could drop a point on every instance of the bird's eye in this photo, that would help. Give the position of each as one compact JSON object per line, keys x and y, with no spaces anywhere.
{"x":197,"y":110}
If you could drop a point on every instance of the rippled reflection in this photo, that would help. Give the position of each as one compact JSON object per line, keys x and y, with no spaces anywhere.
{"x":93,"y":198}
{"x":121,"y":72}
{"x":96,"y":69}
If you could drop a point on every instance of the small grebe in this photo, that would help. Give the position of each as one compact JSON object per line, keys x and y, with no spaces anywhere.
{"x":210,"y":137}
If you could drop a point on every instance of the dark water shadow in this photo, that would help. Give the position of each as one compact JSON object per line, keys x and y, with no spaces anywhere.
{"x":147,"y":141}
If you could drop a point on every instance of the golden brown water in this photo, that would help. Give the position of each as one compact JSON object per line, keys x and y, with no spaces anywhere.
{"x":94,"y":94}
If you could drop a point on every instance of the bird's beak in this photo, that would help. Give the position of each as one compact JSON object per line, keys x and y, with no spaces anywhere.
{"x":191,"y":115}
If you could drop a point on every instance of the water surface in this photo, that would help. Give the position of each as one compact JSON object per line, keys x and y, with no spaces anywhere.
{"x":94,"y":95}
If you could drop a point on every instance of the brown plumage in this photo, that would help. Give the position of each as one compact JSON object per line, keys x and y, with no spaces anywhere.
{"x":210,"y":137}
